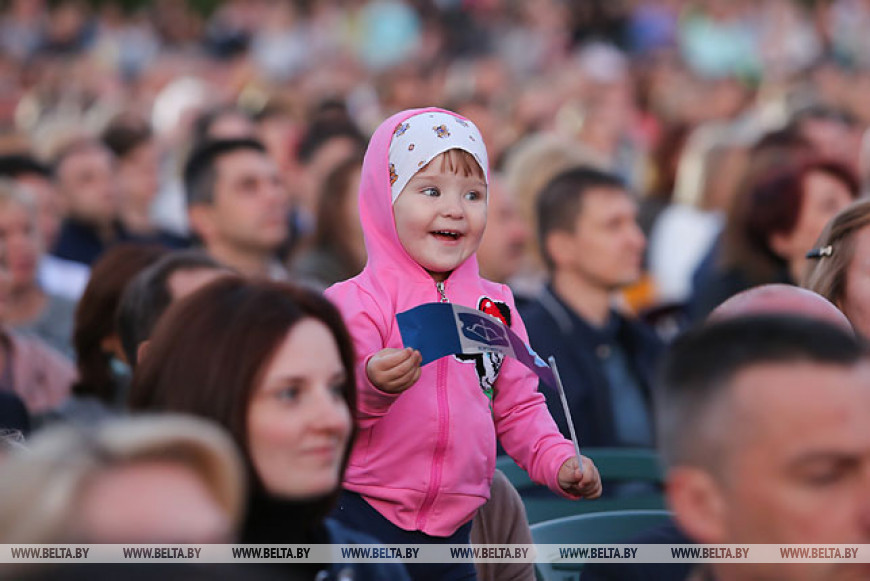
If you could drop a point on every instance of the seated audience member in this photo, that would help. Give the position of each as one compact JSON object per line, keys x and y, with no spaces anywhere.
{"x":832,"y":132}
{"x":771,"y":299}
{"x":150,"y":293}
{"x":138,"y":179}
{"x":35,"y":178}
{"x":330,"y":139}
{"x":709,"y":171}
{"x":593,"y":246}
{"x":30,"y":369}
{"x":502,"y":521}
{"x":840,"y":262}
{"x":237,"y":205}
{"x":774,"y":220}
{"x":31,"y":309}
{"x":58,"y":277}
{"x":101,"y":388}
{"x":779,"y":148}
{"x":764,"y":428}
{"x":337,"y":251}
{"x":273,"y":364}
{"x":84,"y":177}
{"x":75,"y":485}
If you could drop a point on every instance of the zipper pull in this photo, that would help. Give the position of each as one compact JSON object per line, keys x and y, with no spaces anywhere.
{"x":440,"y":286}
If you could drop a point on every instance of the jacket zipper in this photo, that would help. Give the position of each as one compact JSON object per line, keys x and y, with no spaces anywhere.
{"x":440,"y":286}
{"x":435,"y":471}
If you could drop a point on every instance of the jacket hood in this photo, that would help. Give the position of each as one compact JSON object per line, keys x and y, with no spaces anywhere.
{"x":384,"y":249}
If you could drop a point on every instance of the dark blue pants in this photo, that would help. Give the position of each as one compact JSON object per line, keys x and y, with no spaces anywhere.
{"x":356,"y":513}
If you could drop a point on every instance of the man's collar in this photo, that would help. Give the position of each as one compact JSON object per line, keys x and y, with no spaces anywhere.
{"x":568,"y":320}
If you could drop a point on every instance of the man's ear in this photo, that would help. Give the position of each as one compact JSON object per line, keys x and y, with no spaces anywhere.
{"x":559,"y":246}
{"x":201,"y":221}
{"x":697,"y":501}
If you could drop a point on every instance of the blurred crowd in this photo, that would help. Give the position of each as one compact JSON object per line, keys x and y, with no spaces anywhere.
{"x":674,"y":96}
{"x":149,"y":148}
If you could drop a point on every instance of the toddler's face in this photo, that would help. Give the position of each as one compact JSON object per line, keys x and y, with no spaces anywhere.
{"x":440,"y":217}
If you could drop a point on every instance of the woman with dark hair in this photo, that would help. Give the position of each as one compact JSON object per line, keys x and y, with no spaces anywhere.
{"x":839,"y":264}
{"x":273,"y":364}
{"x":337,"y":251}
{"x":773,"y":222}
{"x":103,"y":376}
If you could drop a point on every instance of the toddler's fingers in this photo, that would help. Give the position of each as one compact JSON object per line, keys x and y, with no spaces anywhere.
{"x":396,"y":357}
{"x":409,"y":363}
{"x":409,"y":378}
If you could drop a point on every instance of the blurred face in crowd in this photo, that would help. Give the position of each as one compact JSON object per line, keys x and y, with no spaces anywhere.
{"x":170,"y":504}
{"x":796,"y":471}
{"x":86,"y":182}
{"x":21,"y":242}
{"x":47,"y":206}
{"x":606,"y":247}
{"x":824,"y":196}
{"x":855,"y":303}
{"x":504,"y":241}
{"x":327,"y":157}
{"x":298,"y":421}
{"x":249,"y":209}
{"x":138,"y":174}
{"x":832,"y":138}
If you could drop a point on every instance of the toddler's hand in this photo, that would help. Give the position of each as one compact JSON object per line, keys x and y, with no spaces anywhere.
{"x":394,"y":370}
{"x":585,"y":485}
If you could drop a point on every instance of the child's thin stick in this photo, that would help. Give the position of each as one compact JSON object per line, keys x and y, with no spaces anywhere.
{"x":552,"y":361}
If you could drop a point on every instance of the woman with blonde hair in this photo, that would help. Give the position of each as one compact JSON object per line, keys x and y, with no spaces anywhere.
{"x":840,"y":262}
{"x":152,"y":479}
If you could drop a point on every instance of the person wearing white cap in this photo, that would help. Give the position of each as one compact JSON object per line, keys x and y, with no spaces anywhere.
{"x":425,"y":456}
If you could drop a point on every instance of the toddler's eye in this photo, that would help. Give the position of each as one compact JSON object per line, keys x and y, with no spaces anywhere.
{"x":433,"y":192}
{"x":473,"y":196}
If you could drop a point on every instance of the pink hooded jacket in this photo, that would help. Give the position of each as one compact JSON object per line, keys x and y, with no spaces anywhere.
{"x":425,"y":458}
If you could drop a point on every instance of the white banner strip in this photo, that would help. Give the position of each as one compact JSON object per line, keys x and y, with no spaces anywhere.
{"x":565,"y":554}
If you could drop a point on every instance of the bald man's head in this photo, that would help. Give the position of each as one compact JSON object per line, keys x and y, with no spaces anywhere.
{"x":784,"y":299}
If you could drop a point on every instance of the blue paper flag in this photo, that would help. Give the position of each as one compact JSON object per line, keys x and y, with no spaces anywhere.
{"x":440,"y":329}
